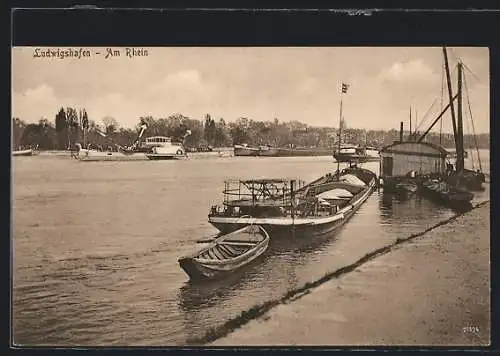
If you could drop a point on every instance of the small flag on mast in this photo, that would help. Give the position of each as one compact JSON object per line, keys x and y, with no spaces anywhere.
{"x":345,"y":87}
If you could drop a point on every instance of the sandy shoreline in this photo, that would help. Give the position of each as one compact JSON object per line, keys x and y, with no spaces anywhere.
{"x":433,"y":290}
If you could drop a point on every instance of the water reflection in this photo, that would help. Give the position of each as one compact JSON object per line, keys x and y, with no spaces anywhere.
{"x":410,"y":215}
{"x":207,"y":293}
{"x":385,"y":204}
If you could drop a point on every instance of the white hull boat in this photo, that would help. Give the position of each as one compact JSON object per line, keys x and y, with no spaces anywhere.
{"x":90,"y":155}
{"x":22,"y":153}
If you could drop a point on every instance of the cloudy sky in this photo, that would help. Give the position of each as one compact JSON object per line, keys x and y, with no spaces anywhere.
{"x":259,"y":83}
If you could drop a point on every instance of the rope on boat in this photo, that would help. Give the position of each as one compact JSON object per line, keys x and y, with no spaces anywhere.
{"x":209,"y":239}
{"x":472,"y":121}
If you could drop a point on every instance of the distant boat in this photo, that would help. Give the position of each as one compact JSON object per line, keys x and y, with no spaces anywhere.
{"x":226,"y":254}
{"x":163,"y":148}
{"x":114,"y":152}
{"x":154,"y":148}
{"x":345,"y":152}
{"x":302,"y":152}
{"x":94,"y":155}
{"x":270,"y":151}
{"x":362,"y":154}
{"x":224,"y":154}
{"x":246,"y":150}
{"x":28,"y":152}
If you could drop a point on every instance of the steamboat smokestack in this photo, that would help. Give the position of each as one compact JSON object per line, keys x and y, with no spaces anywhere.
{"x":401,"y":132}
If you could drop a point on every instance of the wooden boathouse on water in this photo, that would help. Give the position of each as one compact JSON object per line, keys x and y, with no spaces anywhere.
{"x":400,"y":159}
{"x":415,"y":158}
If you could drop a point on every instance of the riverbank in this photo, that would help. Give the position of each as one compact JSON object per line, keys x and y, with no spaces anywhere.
{"x":430,"y":290}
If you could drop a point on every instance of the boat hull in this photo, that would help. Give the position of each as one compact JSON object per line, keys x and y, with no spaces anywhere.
{"x":221,"y":258}
{"x":287,"y":231}
{"x":468,"y":180}
{"x":242,"y":151}
{"x":85,"y":155}
{"x":280,"y":152}
{"x":268,"y":152}
{"x":22,"y":153}
{"x":163,"y":157}
{"x":298,"y":152}
{"x":199,"y":271}
{"x":345,"y":157}
{"x":453,"y":198}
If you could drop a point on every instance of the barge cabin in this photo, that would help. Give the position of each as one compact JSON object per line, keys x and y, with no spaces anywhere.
{"x":404,"y":159}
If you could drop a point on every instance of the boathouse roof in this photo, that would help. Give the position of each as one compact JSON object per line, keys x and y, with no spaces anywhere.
{"x":409,"y":147}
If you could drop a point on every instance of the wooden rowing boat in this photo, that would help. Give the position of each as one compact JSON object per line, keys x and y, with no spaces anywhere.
{"x":226,"y":253}
{"x":445,"y":192}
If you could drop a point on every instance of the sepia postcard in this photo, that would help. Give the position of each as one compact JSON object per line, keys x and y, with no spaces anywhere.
{"x":250,"y":196}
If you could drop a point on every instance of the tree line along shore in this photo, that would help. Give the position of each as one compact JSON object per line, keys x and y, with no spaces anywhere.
{"x":71,"y":126}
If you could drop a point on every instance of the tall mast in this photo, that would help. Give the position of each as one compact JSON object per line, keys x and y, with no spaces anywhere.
{"x":340,"y":127}
{"x":442,"y":95}
{"x":472,"y":122}
{"x":410,"y":126}
{"x":343,"y":90}
{"x":450,"y":95}
{"x":69,"y":136}
{"x":416,"y":121}
{"x":460,"y":130}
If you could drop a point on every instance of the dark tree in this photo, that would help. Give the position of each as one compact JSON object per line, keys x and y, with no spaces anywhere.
{"x":61,"y":129}
{"x":85,"y":120}
{"x":73,"y":127}
{"x":18,"y":127}
{"x":110,"y":125}
{"x":209,"y":130}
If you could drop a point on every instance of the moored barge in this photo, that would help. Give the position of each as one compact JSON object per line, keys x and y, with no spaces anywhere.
{"x":287,"y":207}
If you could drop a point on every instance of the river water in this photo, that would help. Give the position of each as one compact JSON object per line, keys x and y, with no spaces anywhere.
{"x":95,"y":246}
